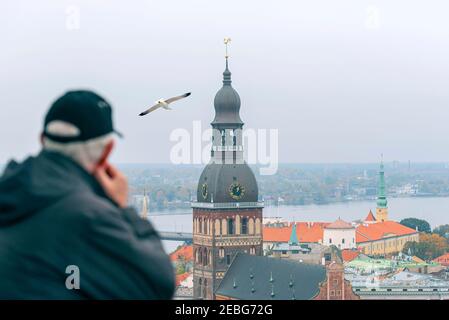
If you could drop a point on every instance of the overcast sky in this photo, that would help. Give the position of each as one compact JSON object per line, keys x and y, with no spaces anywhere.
{"x":343,"y":81}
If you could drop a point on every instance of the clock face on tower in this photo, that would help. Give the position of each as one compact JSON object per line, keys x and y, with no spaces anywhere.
{"x":204,"y":191}
{"x":236,"y":191}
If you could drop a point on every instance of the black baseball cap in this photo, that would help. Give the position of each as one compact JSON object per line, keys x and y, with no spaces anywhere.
{"x":87,"y":112}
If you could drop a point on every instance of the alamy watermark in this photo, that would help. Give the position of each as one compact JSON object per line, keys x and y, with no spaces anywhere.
{"x":73,"y":279}
{"x":253,"y":146}
{"x":73,"y":18}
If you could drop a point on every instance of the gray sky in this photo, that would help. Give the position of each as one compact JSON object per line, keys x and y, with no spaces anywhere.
{"x":343,"y":81}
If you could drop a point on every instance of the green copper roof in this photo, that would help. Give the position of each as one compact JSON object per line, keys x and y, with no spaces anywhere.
{"x":293,"y":236}
{"x":381,"y":196}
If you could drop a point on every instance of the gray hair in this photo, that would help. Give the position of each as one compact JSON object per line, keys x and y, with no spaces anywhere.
{"x":87,"y":153}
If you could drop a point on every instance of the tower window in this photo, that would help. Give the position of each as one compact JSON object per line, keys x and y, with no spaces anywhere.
{"x":221,"y":252}
{"x":223,"y":138}
{"x":330,"y":240}
{"x":244,"y":226}
{"x":343,"y":240}
{"x":228,"y":259}
{"x":231,"y":226}
{"x":205,"y":261}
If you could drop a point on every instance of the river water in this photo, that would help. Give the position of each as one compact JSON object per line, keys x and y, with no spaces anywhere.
{"x":433,"y":210}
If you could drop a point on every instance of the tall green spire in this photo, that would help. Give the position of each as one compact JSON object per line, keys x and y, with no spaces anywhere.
{"x":381,"y":196}
{"x":293,"y":237}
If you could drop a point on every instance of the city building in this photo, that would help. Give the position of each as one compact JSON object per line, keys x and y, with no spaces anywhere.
{"x":402,"y":285}
{"x":227,"y":216}
{"x":261,"y":278}
{"x":376,"y":236}
{"x":306,"y":232}
{"x":365,"y":265}
{"x":384,"y":238}
{"x":339,"y":233}
{"x":336,"y":287}
{"x":379,"y":238}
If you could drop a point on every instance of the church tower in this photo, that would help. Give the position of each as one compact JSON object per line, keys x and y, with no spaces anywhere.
{"x":382,"y":209}
{"x":145,"y":205}
{"x":227,"y":216}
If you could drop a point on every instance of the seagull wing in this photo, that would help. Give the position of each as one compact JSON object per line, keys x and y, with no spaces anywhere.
{"x":178,"y":97}
{"x":156,"y":106}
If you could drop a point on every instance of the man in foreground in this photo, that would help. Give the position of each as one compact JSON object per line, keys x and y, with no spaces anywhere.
{"x":65,"y":229}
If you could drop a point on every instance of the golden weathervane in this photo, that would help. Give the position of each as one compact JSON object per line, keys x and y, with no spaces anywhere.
{"x":226,"y":42}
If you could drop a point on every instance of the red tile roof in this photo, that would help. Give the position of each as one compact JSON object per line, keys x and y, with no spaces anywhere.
{"x":313,"y":231}
{"x":379,"y":230}
{"x":181,"y":277}
{"x":443,"y":260}
{"x":185,"y":252}
{"x":339,"y":224}
{"x":370,"y":217}
{"x":349,"y":255}
{"x":305,"y":231}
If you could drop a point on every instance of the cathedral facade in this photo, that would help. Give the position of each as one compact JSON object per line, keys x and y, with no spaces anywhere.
{"x":227,"y":216}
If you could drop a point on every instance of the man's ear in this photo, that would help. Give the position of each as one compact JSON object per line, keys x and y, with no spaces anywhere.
{"x":106,"y":153}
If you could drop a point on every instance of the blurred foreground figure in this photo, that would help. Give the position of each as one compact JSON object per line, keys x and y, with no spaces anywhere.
{"x":65,"y":230}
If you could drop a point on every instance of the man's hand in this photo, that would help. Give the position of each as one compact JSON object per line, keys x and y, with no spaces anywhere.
{"x":114,"y":183}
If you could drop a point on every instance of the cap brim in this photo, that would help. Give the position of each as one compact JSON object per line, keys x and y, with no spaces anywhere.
{"x":119,"y":134}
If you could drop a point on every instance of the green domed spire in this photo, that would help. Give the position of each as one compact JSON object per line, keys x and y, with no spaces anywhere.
{"x":381,"y":196}
{"x":293,"y":236}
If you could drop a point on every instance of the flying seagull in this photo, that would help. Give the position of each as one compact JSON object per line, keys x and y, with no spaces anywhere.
{"x":164,"y":103}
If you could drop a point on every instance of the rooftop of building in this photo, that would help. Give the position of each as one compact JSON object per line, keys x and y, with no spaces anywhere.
{"x":370,"y":217}
{"x":443,"y":260}
{"x":305,"y":231}
{"x":400,"y":279}
{"x":184,"y":252}
{"x":312,"y":232}
{"x":380,"y":230}
{"x":349,"y":255}
{"x":252,"y":277}
{"x":339,"y":224}
{"x":364,"y":264}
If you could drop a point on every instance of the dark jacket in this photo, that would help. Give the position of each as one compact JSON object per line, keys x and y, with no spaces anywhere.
{"x":53,"y":214}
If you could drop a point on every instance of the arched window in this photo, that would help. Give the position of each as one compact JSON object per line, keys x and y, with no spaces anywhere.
{"x":217,"y":227}
{"x":224,"y":229}
{"x":244,"y":223}
{"x":252,"y":250}
{"x":251,"y":226}
{"x":205,"y":258}
{"x":200,"y":287}
{"x":223,"y":137}
{"x":205,"y":289}
{"x":221,"y":252}
{"x":258,"y":226}
{"x":231,"y":226}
